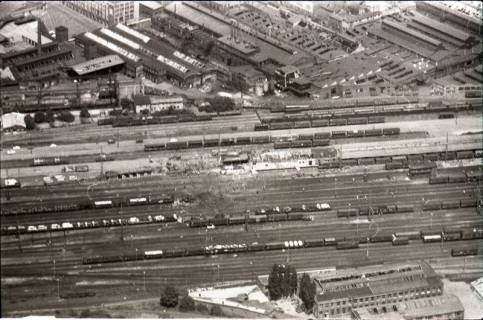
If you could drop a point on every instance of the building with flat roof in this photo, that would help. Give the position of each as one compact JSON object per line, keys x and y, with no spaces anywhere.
{"x":94,"y":66}
{"x":156,"y":103}
{"x":24,"y":30}
{"x":374,"y":286}
{"x":106,"y":12}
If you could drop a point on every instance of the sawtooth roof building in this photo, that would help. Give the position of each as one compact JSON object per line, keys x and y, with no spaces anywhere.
{"x":145,"y":56}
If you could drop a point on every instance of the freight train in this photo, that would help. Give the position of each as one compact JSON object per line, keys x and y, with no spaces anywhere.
{"x":403,"y":161}
{"x":346,"y":243}
{"x":310,"y":140}
{"x":234,"y":220}
{"x":353,"y":107}
{"x":87,"y":204}
{"x":130,"y":121}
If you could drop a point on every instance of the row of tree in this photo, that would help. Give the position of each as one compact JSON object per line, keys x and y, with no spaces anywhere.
{"x":283,"y":282}
{"x":49,"y":117}
{"x":170,"y":298}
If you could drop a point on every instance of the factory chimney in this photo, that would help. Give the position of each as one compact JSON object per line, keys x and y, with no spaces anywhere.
{"x":39,"y":38}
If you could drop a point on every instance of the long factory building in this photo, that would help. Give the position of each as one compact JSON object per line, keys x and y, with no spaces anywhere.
{"x":145,"y":56}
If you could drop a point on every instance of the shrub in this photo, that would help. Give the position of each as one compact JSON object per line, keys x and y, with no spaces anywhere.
{"x":39,"y":117}
{"x":202,"y":308}
{"x":169,"y":297}
{"x":216,"y":311}
{"x":186,"y":304}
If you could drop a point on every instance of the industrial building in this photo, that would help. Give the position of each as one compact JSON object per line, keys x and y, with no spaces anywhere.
{"x":446,"y":307}
{"x":155,"y":103}
{"x":106,"y":12}
{"x":236,"y":43}
{"x":98,"y":66}
{"x":445,"y":13}
{"x":373,"y":287}
{"x":145,"y":56}
{"x":30,"y":53}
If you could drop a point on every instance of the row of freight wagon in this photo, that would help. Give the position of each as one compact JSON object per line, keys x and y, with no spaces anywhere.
{"x":415,"y":162}
{"x":86,"y":205}
{"x":131,"y":121}
{"x":438,"y":177}
{"x":164,"y":218}
{"x":405,"y":208}
{"x":292,"y":124}
{"x":78,"y":225}
{"x":234,"y":220}
{"x":316,"y":139}
{"x":348,"y":103}
{"x":398,"y":238}
{"x":261,"y":215}
{"x":351,"y":108}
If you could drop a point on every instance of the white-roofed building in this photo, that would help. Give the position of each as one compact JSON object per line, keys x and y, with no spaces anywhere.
{"x":477,"y":287}
{"x":13,"y":121}
{"x":25,"y":33}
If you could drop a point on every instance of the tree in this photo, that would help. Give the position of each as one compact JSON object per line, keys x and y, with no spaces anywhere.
{"x":220,"y":104}
{"x":85,"y":113}
{"x":282,"y":281}
{"x":216,"y":311}
{"x":307,"y":291}
{"x":186,"y":304}
{"x":169,"y":297}
{"x":39,"y":117}
{"x":66,"y":116}
{"x":274,"y":283}
{"x":29,"y":122}
{"x":49,"y":116}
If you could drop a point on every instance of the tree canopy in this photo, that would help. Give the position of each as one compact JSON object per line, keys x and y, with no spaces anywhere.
{"x":39,"y":117}
{"x":307,"y":292}
{"x":282,"y":281}
{"x":219,"y":104}
{"x":186,"y":304}
{"x":29,"y":122}
{"x":169,"y":297}
{"x":66,"y":116}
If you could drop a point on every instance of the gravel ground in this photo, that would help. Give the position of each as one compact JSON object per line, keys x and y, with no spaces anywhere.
{"x":473,"y":306}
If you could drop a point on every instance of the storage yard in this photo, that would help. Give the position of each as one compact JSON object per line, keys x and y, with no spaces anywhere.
{"x":115,"y":206}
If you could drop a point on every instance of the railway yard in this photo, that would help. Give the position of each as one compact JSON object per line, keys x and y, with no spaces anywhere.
{"x":264,"y":160}
{"x":410,"y":195}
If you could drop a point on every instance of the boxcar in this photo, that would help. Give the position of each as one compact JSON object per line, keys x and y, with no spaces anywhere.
{"x":344,"y":245}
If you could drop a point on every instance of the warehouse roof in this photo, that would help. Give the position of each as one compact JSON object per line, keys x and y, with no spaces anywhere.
{"x":413,"y":33}
{"x":442,"y":27}
{"x":97,"y":64}
{"x":190,"y":14}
